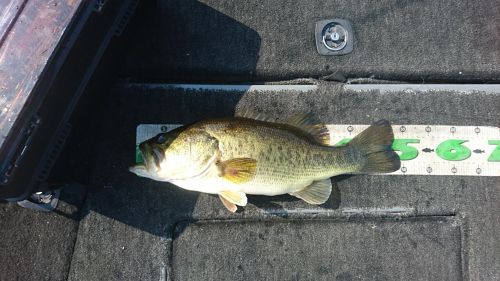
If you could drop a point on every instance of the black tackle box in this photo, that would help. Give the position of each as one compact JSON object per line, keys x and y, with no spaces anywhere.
{"x":49,"y":53}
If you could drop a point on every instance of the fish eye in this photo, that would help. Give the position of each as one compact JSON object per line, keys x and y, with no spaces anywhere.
{"x":161,"y":138}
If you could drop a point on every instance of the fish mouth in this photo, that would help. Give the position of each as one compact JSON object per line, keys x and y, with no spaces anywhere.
{"x":142,"y":170}
{"x":158,"y":156}
{"x":139,"y":169}
{"x":152,"y":157}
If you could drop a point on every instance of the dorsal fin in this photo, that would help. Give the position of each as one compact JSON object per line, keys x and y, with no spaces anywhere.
{"x":247,"y":113}
{"x":306,"y":122}
{"x":311,"y":125}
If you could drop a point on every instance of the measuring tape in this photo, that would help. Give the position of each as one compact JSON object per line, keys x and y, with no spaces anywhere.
{"x":423,"y":149}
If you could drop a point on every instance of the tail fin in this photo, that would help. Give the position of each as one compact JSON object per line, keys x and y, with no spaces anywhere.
{"x":374,"y":144}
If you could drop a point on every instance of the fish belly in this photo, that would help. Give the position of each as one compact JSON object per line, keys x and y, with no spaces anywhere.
{"x":216,"y":184}
{"x":272,"y":190}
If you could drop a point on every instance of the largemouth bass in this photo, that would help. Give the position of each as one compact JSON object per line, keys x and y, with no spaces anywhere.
{"x":236,"y":156}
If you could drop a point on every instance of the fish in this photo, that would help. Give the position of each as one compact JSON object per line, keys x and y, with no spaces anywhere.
{"x":251,"y":154}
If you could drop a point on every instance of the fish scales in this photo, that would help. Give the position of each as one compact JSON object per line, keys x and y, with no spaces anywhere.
{"x":233,"y":157}
{"x":285,"y":156}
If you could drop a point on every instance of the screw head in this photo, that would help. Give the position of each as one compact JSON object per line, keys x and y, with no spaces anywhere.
{"x":335,"y":36}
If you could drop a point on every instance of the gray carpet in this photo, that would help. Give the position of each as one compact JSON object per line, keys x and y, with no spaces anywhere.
{"x":132,"y":224}
{"x":425,"y":249}
{"x":37,"y":245}
{"x":424,"y":41}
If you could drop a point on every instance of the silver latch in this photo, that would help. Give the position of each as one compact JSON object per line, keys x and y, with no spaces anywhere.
{"x":334,"y":37}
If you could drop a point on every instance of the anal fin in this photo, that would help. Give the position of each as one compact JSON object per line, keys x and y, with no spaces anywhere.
{"x":230,"y":206}
{"x":316,"y":193}
{"x":235,"y":197}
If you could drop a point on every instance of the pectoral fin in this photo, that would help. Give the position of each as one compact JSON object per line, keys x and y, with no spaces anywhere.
{"x":230,"y":206}
{"x":238,"y":170}
{"x":316,"y":193}
{"x":234,"y":197}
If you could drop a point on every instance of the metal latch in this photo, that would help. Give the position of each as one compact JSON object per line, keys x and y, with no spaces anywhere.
{"x":334,"y":37}
{"x":45,"y":201}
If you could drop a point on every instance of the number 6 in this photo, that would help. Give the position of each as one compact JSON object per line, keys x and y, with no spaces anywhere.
{"x":453,"y":150}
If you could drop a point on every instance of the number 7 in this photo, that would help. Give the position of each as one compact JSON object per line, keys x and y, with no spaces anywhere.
{"x":495,"y":155}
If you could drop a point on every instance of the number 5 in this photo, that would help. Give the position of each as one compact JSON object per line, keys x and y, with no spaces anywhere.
{"x":407,"y":152}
